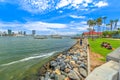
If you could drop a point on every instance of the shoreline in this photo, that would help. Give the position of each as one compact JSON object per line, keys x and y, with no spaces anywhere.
{"x":73,"y":61}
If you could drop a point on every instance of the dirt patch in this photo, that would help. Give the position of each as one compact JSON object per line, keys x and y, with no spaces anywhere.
{"x":95,"y":60}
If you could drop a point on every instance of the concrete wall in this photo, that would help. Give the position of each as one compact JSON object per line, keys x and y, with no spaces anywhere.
{"x":107,"y":71}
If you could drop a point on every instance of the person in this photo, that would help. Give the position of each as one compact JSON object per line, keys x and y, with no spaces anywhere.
{"x":80,"y":42}
{"x":109,"y":47}
{"x":102,"y":45}
{"x":106,"y":44}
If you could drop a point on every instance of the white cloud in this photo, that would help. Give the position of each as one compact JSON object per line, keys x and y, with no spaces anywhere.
{"x":43,"y":6}
{"x":67,"y":33}
{"x":9,"y":24}
{"x":63,"y":3}
{"x":80,"y":26}
{"x":40,"y":26}
{"x":75,"y":16}
{"x":60,"y":11}
{"x":118,"y":24}
{"x":88,"y":1}
{"x":83,"y":22}
{"x":101,"y":4}
{"x":56,"y":28}
{"x":37,"y":6}
{"x":85,"y":4}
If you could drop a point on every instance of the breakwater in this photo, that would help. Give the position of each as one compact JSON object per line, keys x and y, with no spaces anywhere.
{"x":69,"y":65}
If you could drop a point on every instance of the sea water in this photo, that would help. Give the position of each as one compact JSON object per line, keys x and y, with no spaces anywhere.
{"x":18,"y":54}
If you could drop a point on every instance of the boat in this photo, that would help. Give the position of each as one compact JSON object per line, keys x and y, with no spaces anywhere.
{"x":56,"y":36}
{"x":40,"y":37}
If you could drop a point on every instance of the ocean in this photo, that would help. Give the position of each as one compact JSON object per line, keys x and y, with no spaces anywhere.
{"x":18,"y":54}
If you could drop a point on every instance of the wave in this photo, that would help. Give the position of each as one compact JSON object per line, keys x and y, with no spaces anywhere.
{"x":30,"y":58}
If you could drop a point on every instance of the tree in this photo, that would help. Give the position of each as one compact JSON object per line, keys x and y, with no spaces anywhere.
{"x":104,"y":19}
{"x":99,"y":23}
{"x":107,"y":25}
{"x":115,"y":21}
{"x":111,"y":24}
{"x":91,"y":23}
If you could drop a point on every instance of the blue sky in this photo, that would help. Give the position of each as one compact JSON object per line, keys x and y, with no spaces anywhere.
{"x":54,"y":16}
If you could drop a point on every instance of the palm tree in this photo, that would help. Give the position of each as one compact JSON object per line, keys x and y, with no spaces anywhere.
{"x":104,"y":18}
{"x":111,"y":24}
{"x":107,"y":25}
{"x":99,"y":23}
{"x":91,"y":23}
{"x":116,"y":21}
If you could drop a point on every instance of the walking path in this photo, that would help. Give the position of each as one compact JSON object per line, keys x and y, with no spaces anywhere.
{"x":71,"y":65}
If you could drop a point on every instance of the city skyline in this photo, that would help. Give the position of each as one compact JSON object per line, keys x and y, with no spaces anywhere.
{"x":66,"y":17}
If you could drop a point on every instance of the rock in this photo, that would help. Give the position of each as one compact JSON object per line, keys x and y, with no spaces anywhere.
{"x":66,"y":78}
{"x":62,"y":66}
{"x":75,"y":58}
{"x":83,"y":72}
{"x":68,"y":66}
{"x":67,"y":70}
{"x":64,"y":56}
{"x":66,"y":60}
{"x":57,"y":67}
{"x":72,"y":62}
{"x":47,"y":77}
{"x":83,"y":65}
{"x":47,"y":74}
{"x":81,"y":58}
{"x":63,"y":73}
{"x":61,"y":55}
{"x":61,"y":77}
{"x":78,"y":54}
{"x":52,"y":75}
{"x":41,"y":78}
{"x":53,"y":64}
{"x":68,"y":57}
{"x":78,"y":62}
{"x":72,"y":75}
{"x":57,"y":71}
{"x":76,"y":70}
{"x":61,"y":60}
{"x":84,"y":54}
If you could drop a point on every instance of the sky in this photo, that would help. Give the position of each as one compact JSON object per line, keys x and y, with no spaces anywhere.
{"x":65,"y":17}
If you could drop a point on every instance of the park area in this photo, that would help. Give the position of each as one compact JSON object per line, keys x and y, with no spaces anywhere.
{"x":97,"y":53}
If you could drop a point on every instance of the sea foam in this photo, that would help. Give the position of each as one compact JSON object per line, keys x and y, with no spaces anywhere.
{"x":30,"y":58}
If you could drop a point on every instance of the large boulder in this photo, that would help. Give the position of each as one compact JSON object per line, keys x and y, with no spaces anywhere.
{"x":72,"y":75}
{"x":83,"y":72}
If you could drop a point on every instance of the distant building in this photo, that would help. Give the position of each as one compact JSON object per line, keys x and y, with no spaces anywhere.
{"x":9,"y":32}
{"x":4,"y":33}
{"x":24,"y":33}
{"x":1,"y":33}
{"x":20,"y":32}
{"x":92,"y":34}
{"x":33,"y":32}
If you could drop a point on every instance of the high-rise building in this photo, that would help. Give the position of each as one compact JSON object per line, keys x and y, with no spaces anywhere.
{"x":24,"y":33}
{"x":33,"y":32}
{"x":9,"y":32}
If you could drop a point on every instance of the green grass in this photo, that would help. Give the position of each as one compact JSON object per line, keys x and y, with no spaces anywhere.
{"x":95,"y":46}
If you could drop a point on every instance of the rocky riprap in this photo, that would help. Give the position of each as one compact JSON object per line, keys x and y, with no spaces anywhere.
{"x":70,"y":65}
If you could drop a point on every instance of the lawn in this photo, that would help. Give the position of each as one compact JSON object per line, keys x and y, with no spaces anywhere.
{"x":96,"y":46}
